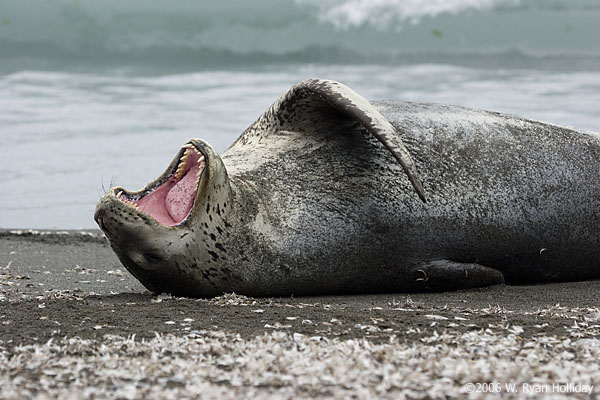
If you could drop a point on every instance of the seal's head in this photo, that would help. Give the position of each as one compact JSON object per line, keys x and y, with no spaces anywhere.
{"x":152,"y":230}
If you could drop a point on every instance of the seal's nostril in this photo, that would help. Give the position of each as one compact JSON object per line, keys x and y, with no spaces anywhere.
{"x":98,"y":216}
{"x":100,"y":220}
{"x":100,"y":223}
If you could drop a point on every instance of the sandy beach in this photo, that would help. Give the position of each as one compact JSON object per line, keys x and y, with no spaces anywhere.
{"x":68,"y":307}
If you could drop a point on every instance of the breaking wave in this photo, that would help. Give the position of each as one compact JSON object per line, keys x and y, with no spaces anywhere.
{"x":205,"y":34}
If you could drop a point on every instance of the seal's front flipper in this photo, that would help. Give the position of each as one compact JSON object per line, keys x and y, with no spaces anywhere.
{"x":446,"y":275}
{"x":312,"y":102}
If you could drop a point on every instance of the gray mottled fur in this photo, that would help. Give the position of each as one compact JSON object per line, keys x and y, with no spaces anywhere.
{"x":310,"y":201}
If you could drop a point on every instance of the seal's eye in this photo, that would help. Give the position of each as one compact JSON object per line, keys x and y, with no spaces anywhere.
{"x":153,"y":258}
{"x":170,"y":201}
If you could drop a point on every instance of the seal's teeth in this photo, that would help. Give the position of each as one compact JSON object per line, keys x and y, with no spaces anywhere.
{"x":184,"y":157}
{"x":201,"y":159}
{"x":189,"y":146}
{"x":179,"y":172}
{"x":182,"y":163}
{"x":126,"y":200}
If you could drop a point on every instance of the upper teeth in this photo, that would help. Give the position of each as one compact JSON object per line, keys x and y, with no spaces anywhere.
{"x":183,"y":161}
{"x":126,"y":200}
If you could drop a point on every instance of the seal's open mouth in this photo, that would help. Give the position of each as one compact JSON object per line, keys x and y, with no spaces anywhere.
{"x":171,"y":198}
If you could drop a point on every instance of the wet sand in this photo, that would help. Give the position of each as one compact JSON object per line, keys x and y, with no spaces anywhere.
{"x":65,"y":285}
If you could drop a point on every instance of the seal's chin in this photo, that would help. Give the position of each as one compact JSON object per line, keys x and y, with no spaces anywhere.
{"x":170,"y":199}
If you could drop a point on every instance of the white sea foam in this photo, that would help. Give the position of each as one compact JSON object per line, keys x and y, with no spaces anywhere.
{"x":383,"y":13}
{"x":158,"y":35}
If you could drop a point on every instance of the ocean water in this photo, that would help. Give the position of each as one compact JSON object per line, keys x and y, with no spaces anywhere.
{"x":95,"y":93}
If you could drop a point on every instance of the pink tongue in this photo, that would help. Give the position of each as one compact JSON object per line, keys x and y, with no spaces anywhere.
{"x":181,"y":197}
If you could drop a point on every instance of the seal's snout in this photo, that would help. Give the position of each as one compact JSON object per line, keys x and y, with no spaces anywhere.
{"x":103,"y":218}
{"x":140,"y":244}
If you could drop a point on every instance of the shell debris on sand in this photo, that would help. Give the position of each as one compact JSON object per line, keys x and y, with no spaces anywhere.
{"x":215,"y":364}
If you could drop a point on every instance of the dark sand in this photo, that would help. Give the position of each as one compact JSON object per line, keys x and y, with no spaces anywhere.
{"x":56,"y":285}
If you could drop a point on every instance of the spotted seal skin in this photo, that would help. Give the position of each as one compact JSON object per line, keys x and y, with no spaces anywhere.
{"x":313,"y":198}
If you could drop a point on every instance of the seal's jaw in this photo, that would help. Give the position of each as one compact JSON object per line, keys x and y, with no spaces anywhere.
{"x":171,"y":198}
{"x":156,"y":231}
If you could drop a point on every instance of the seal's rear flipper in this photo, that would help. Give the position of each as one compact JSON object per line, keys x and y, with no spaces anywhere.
{"x":446,"y":275}
{"x":307,"y":103}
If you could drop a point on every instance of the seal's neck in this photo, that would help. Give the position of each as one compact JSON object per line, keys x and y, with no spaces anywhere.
{"x":215,"y":200}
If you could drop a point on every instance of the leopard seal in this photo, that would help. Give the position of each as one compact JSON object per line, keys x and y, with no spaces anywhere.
{"x":325,"y":194}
